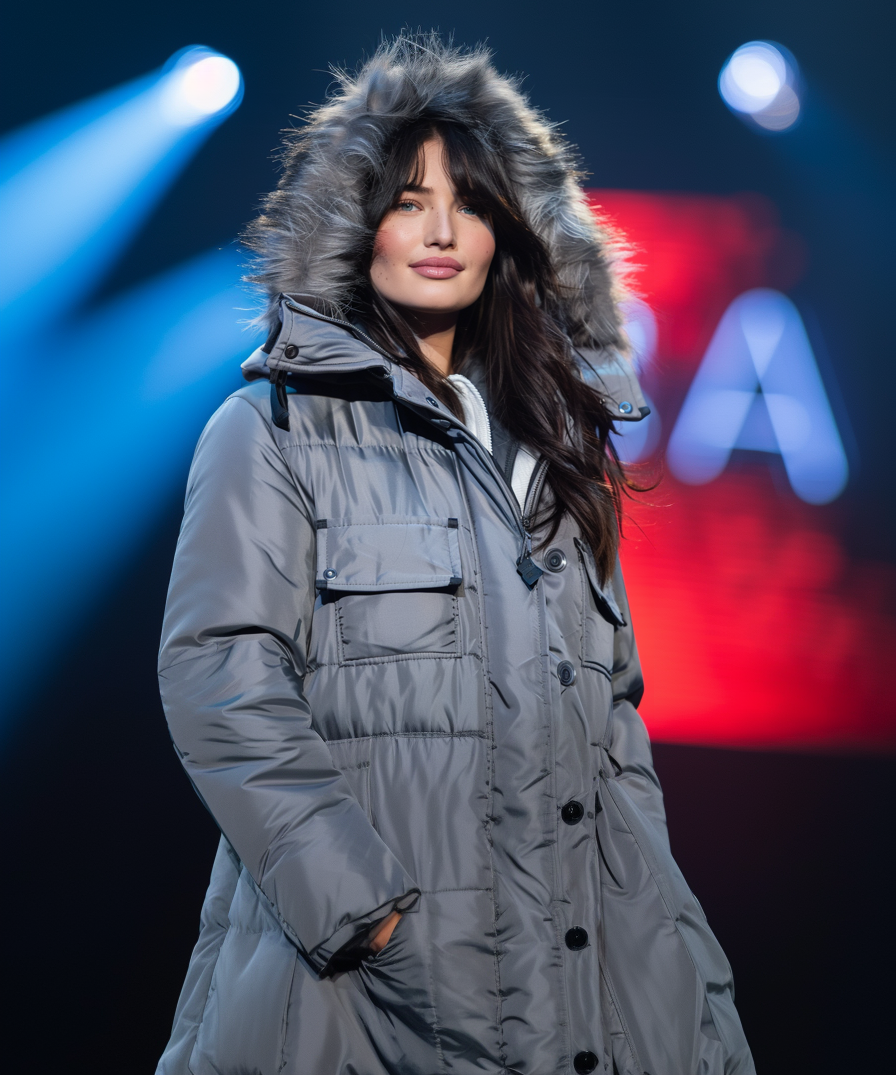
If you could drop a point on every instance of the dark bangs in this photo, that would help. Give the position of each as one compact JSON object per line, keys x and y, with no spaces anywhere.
{"x":478,"y":176}
{"x":515,"y":329}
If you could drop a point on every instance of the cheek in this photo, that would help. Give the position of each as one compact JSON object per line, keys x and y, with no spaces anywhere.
{"x":483,"y":251}
{"x":392,"y":244}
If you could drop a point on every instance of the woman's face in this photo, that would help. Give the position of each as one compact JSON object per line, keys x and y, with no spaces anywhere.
{"x":432,"y":252}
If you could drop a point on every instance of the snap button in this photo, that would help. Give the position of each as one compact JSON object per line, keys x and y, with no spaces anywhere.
{"x":434,"y":402}
{"x":585,"y":1062}
{"x":566,"y":673}
{"x":626,"y":407}
{"x":290,"y":351}
{"x":576,"y":938}
{"x":330,"y":573}
{"x":572,"y":812}
{"x":555,"y":560}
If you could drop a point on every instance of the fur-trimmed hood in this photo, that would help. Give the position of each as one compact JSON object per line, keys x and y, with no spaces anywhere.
{"x":314,"y":220}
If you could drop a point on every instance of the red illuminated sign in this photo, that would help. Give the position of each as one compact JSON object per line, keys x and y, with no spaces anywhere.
{"x":755,"y":627}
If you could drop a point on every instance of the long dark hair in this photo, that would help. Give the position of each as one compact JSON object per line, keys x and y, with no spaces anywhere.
{"x":535,"y":384}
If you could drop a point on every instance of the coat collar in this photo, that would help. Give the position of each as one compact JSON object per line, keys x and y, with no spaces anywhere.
{"x":310,"y":342}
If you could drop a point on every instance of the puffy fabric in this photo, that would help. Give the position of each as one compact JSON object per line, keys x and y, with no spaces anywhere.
{"x":372,"y":703}
{"x":385,"y":704}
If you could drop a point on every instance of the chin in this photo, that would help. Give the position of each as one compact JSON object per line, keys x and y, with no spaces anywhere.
{"x":434,"y":306}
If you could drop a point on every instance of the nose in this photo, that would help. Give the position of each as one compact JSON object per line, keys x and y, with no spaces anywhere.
{"x":440,"y":228}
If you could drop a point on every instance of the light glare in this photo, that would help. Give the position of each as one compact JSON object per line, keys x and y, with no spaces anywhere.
{"x":211,"y":84}
{"x":201,"y":84}
{"x":753,"y":77}
{"x":759,"y":83}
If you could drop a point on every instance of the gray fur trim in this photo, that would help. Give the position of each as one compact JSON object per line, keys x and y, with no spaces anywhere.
{"x":315,"y":216}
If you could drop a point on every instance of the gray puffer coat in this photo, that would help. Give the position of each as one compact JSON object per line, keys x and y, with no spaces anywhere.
{"x":387,"y":701}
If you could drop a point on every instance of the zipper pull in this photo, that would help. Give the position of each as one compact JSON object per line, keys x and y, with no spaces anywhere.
{"x":526,"y":567}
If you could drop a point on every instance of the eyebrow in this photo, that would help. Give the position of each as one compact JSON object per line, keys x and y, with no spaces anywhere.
{"x":415,"y":188}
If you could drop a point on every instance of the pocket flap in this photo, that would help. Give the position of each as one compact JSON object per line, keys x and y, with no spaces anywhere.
{"x":606,"y":600}
{"x":368,"y":555}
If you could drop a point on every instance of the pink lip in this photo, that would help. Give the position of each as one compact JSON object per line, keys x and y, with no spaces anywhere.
{"x":437,"y":268}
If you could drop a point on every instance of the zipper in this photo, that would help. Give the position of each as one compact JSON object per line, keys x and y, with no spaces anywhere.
{"x":526,"y":567}
{"x":533,"y":494}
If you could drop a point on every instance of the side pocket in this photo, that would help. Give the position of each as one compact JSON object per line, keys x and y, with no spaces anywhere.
{"x":681,"y":998}
{"x":398,"y":981}
{"x":601,"y":615}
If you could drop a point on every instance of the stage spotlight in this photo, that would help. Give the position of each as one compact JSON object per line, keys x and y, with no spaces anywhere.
{"x":200,"y":84}
{"x":760,"y":84}
{"x":74,"y":187}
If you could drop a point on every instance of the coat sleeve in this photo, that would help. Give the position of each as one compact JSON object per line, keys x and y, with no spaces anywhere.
{"x":231,"y":671}
{"x":627,"y":741}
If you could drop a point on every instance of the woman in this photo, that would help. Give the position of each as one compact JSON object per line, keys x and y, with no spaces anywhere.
{"x":397,"y":660}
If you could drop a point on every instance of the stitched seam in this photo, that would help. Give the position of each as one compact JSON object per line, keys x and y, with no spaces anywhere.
{"x":352,"y":662}
{"x":393,"y":657}
{"x":625,"y":1031}
{"x":551,"y":816}
{"x":440,"y":891}
{"x":292,"y":983}
{"x":489,"y":762}
{"x":409,"y":520}
{"x":422,"y":449}
{"x":408,"y":584}
{"x":440,"y":1052}
{"x":584,"y":584}
{"x":278,"y":930}
{"x":340,"y":640}
{"x":410,"y":735}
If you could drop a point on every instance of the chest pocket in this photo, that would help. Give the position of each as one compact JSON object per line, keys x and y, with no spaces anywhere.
{"x":601,"y":615}
{"x":394,"y":582}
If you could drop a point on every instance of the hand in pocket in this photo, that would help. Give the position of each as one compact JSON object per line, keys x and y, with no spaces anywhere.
{"x":382,"y":935}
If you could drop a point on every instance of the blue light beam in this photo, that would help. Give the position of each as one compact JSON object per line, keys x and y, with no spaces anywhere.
{"x":75,"y":186}
{"x":122,"y":401}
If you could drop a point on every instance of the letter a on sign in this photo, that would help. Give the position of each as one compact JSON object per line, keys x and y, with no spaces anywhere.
{"x":758,"y":388}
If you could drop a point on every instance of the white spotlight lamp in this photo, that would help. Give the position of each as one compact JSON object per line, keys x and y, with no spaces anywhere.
{"x":200,"y":85}
{"x":760,"y":84}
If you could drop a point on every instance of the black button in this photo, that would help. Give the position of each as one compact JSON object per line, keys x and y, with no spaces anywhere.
{"x":290,"y":351}
{"x":555,"y":560}
{"x":434,"y":402}
{"x":576,"y":938}
{"x":584,"y":1062}
{"x":566,"y":673}
{"x":572,"y":812}
{"x":330,"y":573}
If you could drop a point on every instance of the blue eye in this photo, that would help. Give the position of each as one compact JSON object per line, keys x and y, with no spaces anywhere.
{"x":469,"y":209}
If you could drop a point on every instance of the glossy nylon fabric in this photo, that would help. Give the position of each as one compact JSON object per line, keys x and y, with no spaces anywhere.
{"x":367,"y":697}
